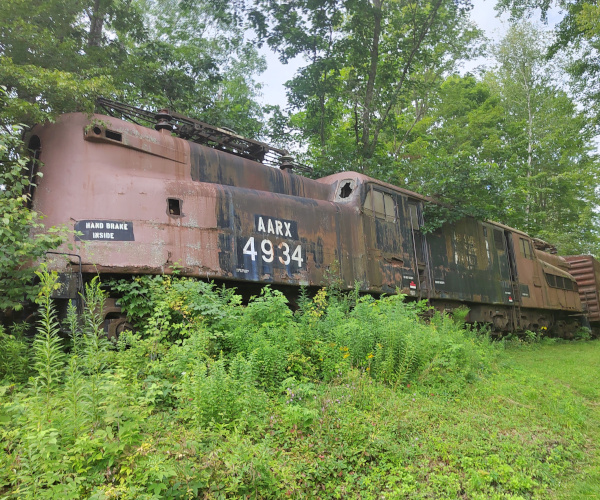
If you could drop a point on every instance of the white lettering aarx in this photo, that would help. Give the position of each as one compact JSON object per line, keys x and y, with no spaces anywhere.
{"x":276,"y":229}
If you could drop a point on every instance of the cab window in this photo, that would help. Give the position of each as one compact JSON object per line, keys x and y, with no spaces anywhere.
{"x":380,"y":204}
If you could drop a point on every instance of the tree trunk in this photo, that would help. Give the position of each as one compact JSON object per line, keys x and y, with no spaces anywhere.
{"x":374,"y":55}
{"x":421,"y":32}
{"x":530,"y":118}
{"x":96,"y":25}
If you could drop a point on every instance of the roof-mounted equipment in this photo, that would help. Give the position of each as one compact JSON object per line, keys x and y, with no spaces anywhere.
{"x":202,"y":133}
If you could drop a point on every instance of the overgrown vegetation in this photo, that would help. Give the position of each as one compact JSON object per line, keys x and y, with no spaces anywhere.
{"x":18,"y":246}
{"x":347,"y":396}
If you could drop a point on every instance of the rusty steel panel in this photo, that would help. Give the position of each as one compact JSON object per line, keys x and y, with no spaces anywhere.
{"x":213,"y":216}
{"x":466,"y":266}
{"x":586,"y":270}
{"x":213,"y":166}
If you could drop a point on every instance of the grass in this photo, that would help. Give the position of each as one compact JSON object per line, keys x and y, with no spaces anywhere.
{"x":574,"y":369}
{"x":520,"y":433}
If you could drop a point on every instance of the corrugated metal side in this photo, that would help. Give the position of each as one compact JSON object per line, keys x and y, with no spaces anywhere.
{"x":586,"y":271}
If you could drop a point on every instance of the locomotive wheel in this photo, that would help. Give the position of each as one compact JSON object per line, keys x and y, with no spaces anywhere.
{"x":117,"y":326}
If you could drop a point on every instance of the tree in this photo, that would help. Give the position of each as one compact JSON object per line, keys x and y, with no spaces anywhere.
{"x":578,"y":33}
{"x":513,"y":147}
{"x":58,"y":55}
{"x":196,"y":60}
{"x":552,"y":173}
{"x":455,"y":153}
{"x":51,"y":60}
{"x":365,"y":60}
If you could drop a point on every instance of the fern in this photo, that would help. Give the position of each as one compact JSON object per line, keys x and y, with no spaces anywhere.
{"x":406,"y":362}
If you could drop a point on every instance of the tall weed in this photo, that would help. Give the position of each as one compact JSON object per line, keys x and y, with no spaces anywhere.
{"x":213,"y":398}
{"x":213,"y":393}
{"x":330,"y":333}
{"x":47,"y":352}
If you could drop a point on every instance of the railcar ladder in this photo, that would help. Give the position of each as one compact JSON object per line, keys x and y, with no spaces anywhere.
{"x":421,"y":251}
{"x":516,"y":305}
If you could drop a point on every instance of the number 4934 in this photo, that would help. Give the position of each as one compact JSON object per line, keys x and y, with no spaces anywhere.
{"x":269,"y":251}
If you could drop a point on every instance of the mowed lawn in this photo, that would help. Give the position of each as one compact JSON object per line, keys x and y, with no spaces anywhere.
{"x":574,"y":368}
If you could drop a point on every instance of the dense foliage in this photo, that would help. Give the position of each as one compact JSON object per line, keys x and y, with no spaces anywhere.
{"x":57,"y":56}
{"x":577,"y":32}
{"x":518,"y":142}
{"x":210,"y":398}
{"x":381,"y":92}
{"x":18,"y":248}
{"x":346,"y":396}
{"x":366,"y":61}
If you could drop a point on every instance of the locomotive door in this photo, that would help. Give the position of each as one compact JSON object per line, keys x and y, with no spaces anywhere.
{"x":383,"y":238}
{"x":515,"y":297}
{"x":420,"y":248}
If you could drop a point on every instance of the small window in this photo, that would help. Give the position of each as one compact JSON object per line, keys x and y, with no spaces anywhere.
{"x":35,"y":149}
{"x":381,"y":204}
{"x":560,"y":282}
{"x":115,"y":136}
{"x":568,"y":284}
{"x":498,"y":239}
{"x":551,"y":280}
{"x":526,"y":250}
{"x":174,"y":207}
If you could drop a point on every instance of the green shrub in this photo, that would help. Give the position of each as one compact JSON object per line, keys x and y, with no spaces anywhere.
{"x":14,"y":355}
{"x":23,"y":238}
{"x":214,"y":393}
{"x":329,"y":335}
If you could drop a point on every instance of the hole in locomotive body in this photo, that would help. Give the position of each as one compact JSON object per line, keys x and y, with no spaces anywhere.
{"x":174,"y":207}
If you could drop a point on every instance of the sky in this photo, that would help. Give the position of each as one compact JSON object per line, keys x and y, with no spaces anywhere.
{"x":483,"y":14}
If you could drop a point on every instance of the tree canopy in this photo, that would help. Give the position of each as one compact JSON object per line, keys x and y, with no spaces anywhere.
{"x":366,"y":61}
{"x":191,"y":56}
{"x":578,"y":33}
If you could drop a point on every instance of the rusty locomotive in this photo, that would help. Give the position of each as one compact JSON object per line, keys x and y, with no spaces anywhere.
{"x":215,"y":206}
